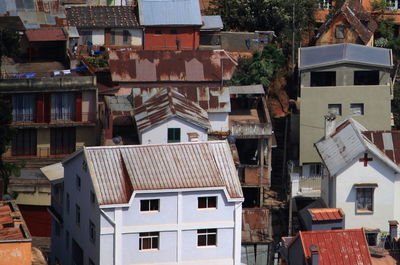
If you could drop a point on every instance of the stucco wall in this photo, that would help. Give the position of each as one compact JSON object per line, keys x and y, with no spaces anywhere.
{"x":159,"y":133}
{"x":15,"y":253}
{"x":219,"y":121}
{"x":98,"y":37}
{"x":85,"y":136}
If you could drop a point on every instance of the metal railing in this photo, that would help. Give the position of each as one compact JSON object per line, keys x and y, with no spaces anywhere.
{"x":57,"y":118}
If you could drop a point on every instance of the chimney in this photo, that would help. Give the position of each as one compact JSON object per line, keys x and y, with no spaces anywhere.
{"x":393,"y":229}
{"x":330,"y":124}
{"x":314,"y":255}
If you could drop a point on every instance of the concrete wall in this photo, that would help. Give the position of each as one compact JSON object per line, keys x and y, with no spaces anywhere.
{"x":159,"y":133}
{"x":219,"y":121}
{"x":385,"y":196}
{"x":15,"y":253}
{"x":189,"y":38}
{"x":88,"y":105}
{"x":296,"y":254}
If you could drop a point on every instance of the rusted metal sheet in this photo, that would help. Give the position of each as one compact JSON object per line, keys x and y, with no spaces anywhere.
{"x":255,"y":225}
{"x":210,"y":98}
{"x":119,"y":170}
{"x":326,"y":214}
{"x":171,"y":66}
{"x":166,"y":104}
{"x":45,"y":35}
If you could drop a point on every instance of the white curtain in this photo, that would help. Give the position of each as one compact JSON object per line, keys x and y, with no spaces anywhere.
{"x":63,"y":106}
{"x":23,"y":107}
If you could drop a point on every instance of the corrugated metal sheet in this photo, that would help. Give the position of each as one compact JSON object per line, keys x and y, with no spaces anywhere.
{"x":120,"y":170}
{"x":247,"y":90}
{"x":180,"y":12}
{"x":45,"y":35}
{"x":210,"y":98}
{"x":156,"y":66}
{"x":212,"y":23}
{"x":118,"y":103}
{"x":318,"y":56}
{"x":326,"y":214}
{"x":337,"y":246}
{"x":166,"y":104}
{"x":53,"y":172}
{"x":255,"y":225}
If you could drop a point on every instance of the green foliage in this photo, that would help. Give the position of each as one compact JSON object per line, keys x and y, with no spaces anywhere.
{"x":98,"y":61}
{"x":261,"y":68}
{"x":396,"y":106}
{"x":386,"y":26}
{"x":9,"y":43}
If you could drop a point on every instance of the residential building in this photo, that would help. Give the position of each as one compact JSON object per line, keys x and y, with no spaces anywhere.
{"x":351,"y":23}
{"x":346,"y":80}
{"x":112,"y":26}
{"x":210,"y":32}
{"x":15,"y":240}
{"x":363,"y":177}
{"x":169,"y":117}
{"x":316,"y":219}
{"x":179,"y":30}
{"x":327,"y":247}
{"x":154,"y":204}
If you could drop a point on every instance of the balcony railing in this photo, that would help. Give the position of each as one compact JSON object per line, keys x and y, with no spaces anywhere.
{"x":54,"y":118}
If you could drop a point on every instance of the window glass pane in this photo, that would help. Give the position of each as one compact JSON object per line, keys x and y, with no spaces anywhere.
{"x":202,"y":202}
{"x":212,"y":240}
{"x":146,"y":243}
{"x":357,"y":109}
{"x":154,"y":242}
{"x":323,"y":79}
{"x":202,"y":240}
{"x":212,"y":202}
{"x":174,"y":135}
{"x":339,"y":32}
{"x":366,"y":77}
{"x":144,"y":205}
{"x":335,"y":109}
{"x":153,"y":205}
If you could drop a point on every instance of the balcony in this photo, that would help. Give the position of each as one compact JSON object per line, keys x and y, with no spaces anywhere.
{"x":33,"y":120}
{"x":304,"y":186}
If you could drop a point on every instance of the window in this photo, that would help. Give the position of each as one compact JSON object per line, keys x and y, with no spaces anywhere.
{"x":113,"y":37}
{"x":335,"y":109}
{"x":24,"y":142}
{"x":77,"y":214}
{"x":174,"y":135}
{"x":23,"y":108}
{"x":57,"y":228}
{"x":66,"y":239}
{"x":78,"y":182}
{"x":251,"y":197}
{"x":364,"y":201}
{"x":366,"y":77}
{"x":125,"y":37}
{"x":357,"y":109}
{"x":68,"y":203}
{"x":86,"y":37}
{"x":92,"y":232}
{"x":393,"y":4}
{"x":62,"y":140}
{"x":149,"y":205}
{"x":63,"y":106}
{"x":149,"y":240}
{"x":315,"y":170}
{"x":323,"y":79}
{"x":371,"y":238}
{"x":325,"y":4}
{"x":173,"y":32}
{"x":158,"y":32}
{"x":206,"y":237}
{"x":207,"y":202}
{"x":92,"y":197}
{"x":339,"y":32}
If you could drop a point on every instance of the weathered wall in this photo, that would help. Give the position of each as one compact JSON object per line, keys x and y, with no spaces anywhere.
{"x":189,"y":38}
{"x":15,"y":253}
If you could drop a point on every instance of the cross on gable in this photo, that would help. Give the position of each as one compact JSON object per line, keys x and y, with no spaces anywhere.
{"x":365,"y":159}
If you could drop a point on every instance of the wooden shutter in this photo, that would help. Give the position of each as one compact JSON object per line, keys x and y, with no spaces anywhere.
{"x":78,"y":106}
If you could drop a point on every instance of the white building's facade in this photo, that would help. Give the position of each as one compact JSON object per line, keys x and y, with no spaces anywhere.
{"x":120,"y":206}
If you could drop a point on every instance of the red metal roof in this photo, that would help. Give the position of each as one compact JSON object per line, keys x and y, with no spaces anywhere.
{"x":326,"y":214}
{"x":45,"y":35}
{"x":120,"y":170}
{"x":12,"y":225}
{"x":387,"y":141}
{"x":337,"y":247}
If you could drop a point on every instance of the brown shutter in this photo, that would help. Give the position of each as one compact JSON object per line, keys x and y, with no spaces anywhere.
{"x":39,"y":108}
{"x":78,"y":106}
{"x":47,"y":107}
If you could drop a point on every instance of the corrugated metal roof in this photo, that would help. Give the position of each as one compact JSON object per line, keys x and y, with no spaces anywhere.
{"x":337,"y":246}
{"x":45,"y":35}
{"x":180,"y":12}
{"x":53,"y":172}
{"x":120,"y":170}
{"x":118,"y":103}
{"x":73,"y":32}
{"x":166,"y":104}
{"x":247,"y":90}
{"x":326,"y":214}
{"x":318,"y":56}
{"x":102,"y":17}
{"x":351,"y":140}
{"x":157,"y":66}
{"x":212,"y":23}
{"x":213,"y":99}
{"x":12,"y":225}
{"x":386,"y":141}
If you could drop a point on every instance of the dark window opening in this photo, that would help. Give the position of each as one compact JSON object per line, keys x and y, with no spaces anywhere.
{"x":371,"y":238}
{"x":125,"y":37}
{"x":248,"y":151}
{"x":149,"y":205}
{"x":149,"y":240}
{"x":366,"y":77}
{"x":62,"y":140}
{"x":210,"y":39}
{"x":158,"y":32}
{"x":206,"y":202}
{"x":206,"y":237}
{"x":173,"y":32}
{"x":174,"y":135}
{"x":323,"y":78}
{"x":339,"y":32}
{"x":77,"y":214}
{"x":251,"y":197}
{"x":24,"y":142}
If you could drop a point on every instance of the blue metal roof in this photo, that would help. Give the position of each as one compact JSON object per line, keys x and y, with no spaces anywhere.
{"x":319,"y":56}
{"x":212,"y":23}
{"x":169,"y":12}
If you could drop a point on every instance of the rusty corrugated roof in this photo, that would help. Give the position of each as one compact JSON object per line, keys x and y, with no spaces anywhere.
{"x":12,"y":225}
{"x":387,"y":141}
{"x":45,"y":35}
{"x":166,"y":104}
{"x":255,"y":225}
{"x":158,"y":66}
{"x":210,"y":98}
{"x":120,"y":170}
{"x":326,"y":214}
{"x":336,"y":246}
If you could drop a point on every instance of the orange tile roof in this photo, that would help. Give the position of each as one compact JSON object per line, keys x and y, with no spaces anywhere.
{"x":12,"y":225}
{"x":326,"y":214}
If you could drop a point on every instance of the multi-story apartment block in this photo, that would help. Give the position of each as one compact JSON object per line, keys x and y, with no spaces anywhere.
{"x":148,"y":204}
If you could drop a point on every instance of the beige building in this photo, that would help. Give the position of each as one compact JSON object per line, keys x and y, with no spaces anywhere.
{"x":347,"y":80}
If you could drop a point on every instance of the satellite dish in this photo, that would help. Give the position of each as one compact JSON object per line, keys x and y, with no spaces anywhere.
{"x":117,"y":140}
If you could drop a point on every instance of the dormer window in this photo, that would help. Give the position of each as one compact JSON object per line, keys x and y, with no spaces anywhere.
{"x":339,"y":32}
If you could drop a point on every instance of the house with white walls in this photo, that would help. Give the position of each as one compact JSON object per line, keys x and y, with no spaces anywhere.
{"x":363,"y":177}
{"x":149,"y":204}
{"x":169,"y":117}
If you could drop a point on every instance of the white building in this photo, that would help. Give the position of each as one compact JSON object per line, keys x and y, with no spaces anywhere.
{"x":149,"y":204}
{"x":363,"y":174}
{"x":169,"y":117}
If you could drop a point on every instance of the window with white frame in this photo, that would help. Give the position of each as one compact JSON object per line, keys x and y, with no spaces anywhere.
{"x":365,"y":199}
{"x":150,"y":205}
{"x":335,"y":109}
{"x":206,"y":237}
{"x":207,"y":202}
{"x":148,"y":241}
{"x":325,"y":4}
{"x":357,"y":109}
{"x":393,"y":4}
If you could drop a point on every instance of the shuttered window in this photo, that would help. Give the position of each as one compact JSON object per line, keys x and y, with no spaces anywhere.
{"x":62,"y":140}
{"x":24,"y":142}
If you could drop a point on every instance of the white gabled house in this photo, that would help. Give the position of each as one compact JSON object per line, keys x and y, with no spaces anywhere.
{"x":363,"y":176}
{"x":169,"y":117}
{"x":149,"y":204}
